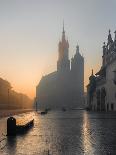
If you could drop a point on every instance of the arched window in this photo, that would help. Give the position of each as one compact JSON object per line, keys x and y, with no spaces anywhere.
{"x":114,"y":77}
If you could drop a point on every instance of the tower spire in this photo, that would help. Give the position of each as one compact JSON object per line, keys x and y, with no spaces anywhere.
{"x":63,"y":27}
{"x":77,"y":48}
{"x":92,"y":72}
{"x":110,"y":38}
{"x":63,"y":33}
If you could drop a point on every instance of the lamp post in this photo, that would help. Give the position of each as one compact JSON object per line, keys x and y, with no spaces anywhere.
{"x":9,"y":106}
{"x":8,"y":99}
{"x":35,"y":104}
{"x":21,"y":100}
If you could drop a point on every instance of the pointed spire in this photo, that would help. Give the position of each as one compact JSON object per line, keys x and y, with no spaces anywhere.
{"x":104,"y":45}
{"x":77,"y":48}
{"x":63,"y":32}
{"x":92,"y":73}
{"x":110,"y":37}
{"x":63,"y":28}
{"x":92,"y":76}
{"x":104,"y":48}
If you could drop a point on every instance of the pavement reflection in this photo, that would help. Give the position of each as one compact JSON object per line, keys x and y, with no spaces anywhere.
{"x":75,"y":132}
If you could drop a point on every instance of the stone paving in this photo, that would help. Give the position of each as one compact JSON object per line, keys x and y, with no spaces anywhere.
{"x":64,"y":133}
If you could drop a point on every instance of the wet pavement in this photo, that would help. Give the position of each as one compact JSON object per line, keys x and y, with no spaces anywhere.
{"x":75,"y":132}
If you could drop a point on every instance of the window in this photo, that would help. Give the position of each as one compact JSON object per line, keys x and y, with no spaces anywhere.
{"x":107,"y":106}
{"x":115,"y":77}
{"x":115,"y":95}
{"x":112,"y":106}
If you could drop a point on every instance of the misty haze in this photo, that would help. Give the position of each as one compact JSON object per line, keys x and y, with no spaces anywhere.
{"x":57,"y":77}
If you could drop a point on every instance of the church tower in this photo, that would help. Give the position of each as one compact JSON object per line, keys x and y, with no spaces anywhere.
{"x":63,"y":63}
{"x":77,"y":76}
{"x":77,"y":63}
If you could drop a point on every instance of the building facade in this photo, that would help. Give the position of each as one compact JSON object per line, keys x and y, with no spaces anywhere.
{"x":101,"y":90}
{"x":64,"y":87}
{"x":10,"y":99}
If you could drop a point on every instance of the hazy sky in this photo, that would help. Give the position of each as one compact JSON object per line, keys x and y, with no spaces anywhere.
{"x":30,"y":31}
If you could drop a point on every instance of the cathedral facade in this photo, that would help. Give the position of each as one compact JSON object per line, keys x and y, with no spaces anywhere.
{"x":63,"y":88}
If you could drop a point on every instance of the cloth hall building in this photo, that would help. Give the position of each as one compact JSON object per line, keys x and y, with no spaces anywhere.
{"x":101,"y":90}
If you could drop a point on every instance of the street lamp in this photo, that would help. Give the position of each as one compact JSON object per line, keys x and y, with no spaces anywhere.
{"x":8,"y":97}
{"x":35,"y":104}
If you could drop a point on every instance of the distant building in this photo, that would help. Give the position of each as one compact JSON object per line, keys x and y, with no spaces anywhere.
{"x":101,"y":90}
{"x":10,"y":99}
{"x":64,"y":87}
